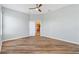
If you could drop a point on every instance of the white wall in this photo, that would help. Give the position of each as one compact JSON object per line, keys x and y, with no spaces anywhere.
{"x":62,"y":23}
{"x":15,"y":24}
{"x":0,"y":27}
{"x":0,"y":22}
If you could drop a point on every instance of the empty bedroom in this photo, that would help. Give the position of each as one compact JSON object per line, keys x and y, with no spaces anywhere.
{"x":39,"y":28}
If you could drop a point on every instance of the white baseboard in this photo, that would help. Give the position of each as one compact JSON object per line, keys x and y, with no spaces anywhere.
{"x":44,"y":36}
{"x":15,"y":38}
{"x":62,"y":39}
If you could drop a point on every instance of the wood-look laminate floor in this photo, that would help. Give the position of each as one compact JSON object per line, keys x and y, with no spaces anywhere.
{"x":38,"y":45}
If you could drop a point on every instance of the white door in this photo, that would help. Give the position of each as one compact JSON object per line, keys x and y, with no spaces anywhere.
{"x":32,"y":28}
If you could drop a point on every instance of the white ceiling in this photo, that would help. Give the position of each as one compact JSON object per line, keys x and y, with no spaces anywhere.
{"x":25,"y":7}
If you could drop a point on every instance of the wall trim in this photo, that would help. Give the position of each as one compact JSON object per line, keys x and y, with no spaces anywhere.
{"x":14,"y":38}
{"x":62,"y":39}
{"x":44,"y":36}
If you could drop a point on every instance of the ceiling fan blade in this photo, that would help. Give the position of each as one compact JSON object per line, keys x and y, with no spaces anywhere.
{"x":32,"y":8}
{"x":39,"y":10}
{"x":40,"y":5}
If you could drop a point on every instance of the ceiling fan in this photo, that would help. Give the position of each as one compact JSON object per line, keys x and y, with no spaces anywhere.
{"x":37,"y":7}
